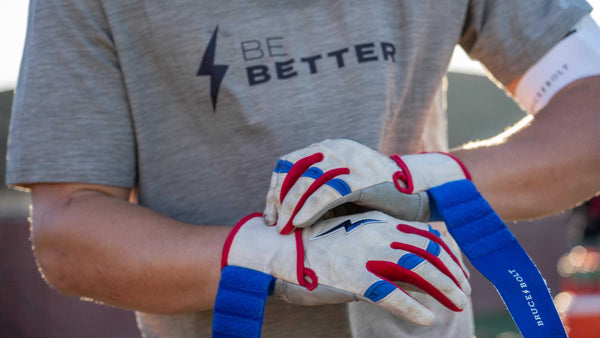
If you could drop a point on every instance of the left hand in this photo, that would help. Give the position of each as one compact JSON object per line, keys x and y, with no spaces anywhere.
{"x":370,"y":257}
{"x":311,"y":181}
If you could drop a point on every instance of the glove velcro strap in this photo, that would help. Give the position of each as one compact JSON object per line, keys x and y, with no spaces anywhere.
{"x":496,"y":253}
{"x":240,"y":303}
{"x":477,"y":229}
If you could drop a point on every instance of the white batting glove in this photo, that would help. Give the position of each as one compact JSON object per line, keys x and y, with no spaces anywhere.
{"x":311,"y":181}
{"x":357,"y":257}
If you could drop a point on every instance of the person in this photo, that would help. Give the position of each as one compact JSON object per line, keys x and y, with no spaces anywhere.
{"x":142,"y":128}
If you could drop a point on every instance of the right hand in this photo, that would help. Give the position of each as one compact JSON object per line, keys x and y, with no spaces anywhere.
{"x":358,"y":257}
{"x":311,"y":181}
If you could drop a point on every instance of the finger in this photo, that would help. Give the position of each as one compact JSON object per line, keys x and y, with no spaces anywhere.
{"x":429,"y":263}
{"x":456,"y":271}
{"x":436,"y":251}
{"x":435,"y":283}
{"x":446,"y":285}
{"x":394,"y":300}
{"x":450,"y":258}
{"x":333,"y":193}
{"x":273,"y":203}
{"x":454,"y":252}
{"x":296,"y":171}
{"x":270,"y":213}
{"x":430,"y":254}
{"x":434,"y":236}
{"x":288,"y":205}
{"x":298,"y":195}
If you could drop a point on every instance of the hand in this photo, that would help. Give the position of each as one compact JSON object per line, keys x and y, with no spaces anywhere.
{"x":358,"y":257}
{"x":311,"y":181}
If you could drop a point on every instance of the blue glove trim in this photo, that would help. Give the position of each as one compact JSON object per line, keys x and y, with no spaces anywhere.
{"x":313,"y":172}
{"x":336,"y":183}
{"x":410,"y":261}
{"x":240,"y":303}
{"x":340,"y":185}
{"x":379,"y":290}
{"x":283,"y":167}
{"x":495,"y":252}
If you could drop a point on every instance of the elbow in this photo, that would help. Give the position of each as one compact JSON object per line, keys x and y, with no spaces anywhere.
{"x":52,"y":254}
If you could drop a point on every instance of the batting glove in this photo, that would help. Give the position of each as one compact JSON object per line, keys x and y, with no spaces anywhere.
{"x":368,"y":257}
{"x":311,"y":181}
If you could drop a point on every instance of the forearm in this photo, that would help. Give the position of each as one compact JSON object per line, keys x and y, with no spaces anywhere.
{"x":550,"y":165}
{"x":122,"y":254}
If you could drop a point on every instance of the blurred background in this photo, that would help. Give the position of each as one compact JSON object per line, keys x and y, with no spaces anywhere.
{"x":477,"y":110}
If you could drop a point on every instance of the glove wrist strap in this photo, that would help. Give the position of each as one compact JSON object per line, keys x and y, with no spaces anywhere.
{"x":240,"y":303}
{"x":495,"y":252}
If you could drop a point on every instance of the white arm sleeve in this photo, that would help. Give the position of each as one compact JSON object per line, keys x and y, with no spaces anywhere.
{"x":574,"y":57}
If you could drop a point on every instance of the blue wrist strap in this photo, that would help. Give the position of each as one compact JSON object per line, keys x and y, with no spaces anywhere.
{"x":495,"y":252}
{"x":240,"y":303}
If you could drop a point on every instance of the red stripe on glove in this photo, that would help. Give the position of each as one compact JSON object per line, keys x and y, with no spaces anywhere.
{"x":296,"y":171}
{"x":326,"y":177}
{"x":412,"y":230}
{"x":393,"y":272}
{"x":436,"y":261}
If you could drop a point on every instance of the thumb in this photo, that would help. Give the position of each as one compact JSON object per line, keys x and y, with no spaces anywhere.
{"x":321,"y":295}
{"x":386,"y":198}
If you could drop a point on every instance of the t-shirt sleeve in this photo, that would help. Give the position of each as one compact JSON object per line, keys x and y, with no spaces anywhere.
{"x":70,"y":120}
{"x":510,"y":36}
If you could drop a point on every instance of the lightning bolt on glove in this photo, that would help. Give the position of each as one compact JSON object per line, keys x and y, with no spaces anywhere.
{"x":369,"y":257}
{"x":311,"y":181}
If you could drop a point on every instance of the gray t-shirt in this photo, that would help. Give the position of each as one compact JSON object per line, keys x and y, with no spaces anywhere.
{"x":192,"y":102}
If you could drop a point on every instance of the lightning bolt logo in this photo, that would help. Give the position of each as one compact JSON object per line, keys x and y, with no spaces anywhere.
{"x":348,"y":226}
{"x":215,"y":72}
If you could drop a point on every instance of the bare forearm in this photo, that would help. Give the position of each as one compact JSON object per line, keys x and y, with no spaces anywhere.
{"x":128,"y":256}
{"x":549,"y":166}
